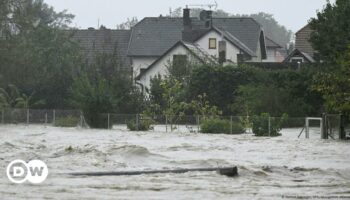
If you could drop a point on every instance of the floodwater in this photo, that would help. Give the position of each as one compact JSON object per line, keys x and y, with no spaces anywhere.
{"x":269,"y":168}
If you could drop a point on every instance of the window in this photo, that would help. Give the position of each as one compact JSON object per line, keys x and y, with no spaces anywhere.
{"x":179,"y":60}
{"x":179,"y":68}
{"x":296,"y":60}
{"x":212,"y":43}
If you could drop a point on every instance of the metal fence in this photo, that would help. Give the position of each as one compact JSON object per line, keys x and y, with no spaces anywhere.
{"x":31,"y":116}
{"x":263,"y":125}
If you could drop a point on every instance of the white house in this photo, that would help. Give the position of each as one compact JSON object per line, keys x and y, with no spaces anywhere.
{"x":155,"y":41}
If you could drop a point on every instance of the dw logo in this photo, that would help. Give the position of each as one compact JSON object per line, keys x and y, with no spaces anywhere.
{"x":35,"y":171}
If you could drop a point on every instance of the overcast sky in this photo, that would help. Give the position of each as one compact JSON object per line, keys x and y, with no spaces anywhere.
{"x":293,"y":14}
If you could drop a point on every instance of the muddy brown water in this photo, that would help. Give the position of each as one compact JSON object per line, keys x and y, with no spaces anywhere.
{"x":269,"y":168}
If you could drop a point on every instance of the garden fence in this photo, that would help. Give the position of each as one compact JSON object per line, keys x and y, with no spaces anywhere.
{"x":259,"y":125}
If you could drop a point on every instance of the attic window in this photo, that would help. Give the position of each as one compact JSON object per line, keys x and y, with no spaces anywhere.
{"x":212,"y":43}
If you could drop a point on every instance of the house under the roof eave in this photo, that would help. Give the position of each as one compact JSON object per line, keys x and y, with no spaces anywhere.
{"x":103,"y":41}
{"x":153,"y":36}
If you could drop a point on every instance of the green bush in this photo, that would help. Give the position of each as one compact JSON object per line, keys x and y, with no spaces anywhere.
{"x":69,"y":121}
{"x":143,"y":125}
{"x":214,"y":125}
{"x":261,"y":125}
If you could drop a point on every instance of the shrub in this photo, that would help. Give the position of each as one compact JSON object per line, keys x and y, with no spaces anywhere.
{"x":69,"y":121}
{"x":214,"y":125}
{"x":143,"y":125}
{"x":261,"y":125}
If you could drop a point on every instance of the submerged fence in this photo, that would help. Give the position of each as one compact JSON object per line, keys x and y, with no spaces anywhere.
{"x":259,"y":125}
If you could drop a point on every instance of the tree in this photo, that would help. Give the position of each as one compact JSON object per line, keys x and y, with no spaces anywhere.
{"x":130,"y":22}
{"x":335,"y":85}
{"x":93,"y":97}
{"x":219,"y":84}
{"x":273,"y":29}
{"x":331,"y":39}
{"x":331,"y":30}
{"x":11,"y":97}
{"x":37,"y":55}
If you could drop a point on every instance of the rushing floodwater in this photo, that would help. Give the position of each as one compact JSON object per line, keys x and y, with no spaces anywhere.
{"x":269,"y":167}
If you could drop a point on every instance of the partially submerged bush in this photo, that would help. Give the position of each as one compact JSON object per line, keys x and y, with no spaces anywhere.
{"x":68,"y":121}
{"x":215,"y":125}
{"x":142,"y":125}
{"x":262,"y":126}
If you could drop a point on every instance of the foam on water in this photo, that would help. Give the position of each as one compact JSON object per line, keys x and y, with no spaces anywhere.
{"x":268,"y":167}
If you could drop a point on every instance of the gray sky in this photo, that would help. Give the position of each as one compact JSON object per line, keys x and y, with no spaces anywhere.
{"x":291,"y":13}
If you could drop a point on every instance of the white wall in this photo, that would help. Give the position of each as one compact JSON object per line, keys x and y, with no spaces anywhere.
{"x":271,"y":55}
{"x":257,"y":58}
{"x":231,"y":50}
{"x":204,"y":43}
{"x":141,"y":63}
{"x":161,"y":66}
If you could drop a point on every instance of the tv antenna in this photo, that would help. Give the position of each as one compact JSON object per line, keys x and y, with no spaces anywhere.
{"x":210,"y":6}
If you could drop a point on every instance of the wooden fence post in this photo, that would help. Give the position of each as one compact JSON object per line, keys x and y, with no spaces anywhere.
{"x":269,"y":126}
{"x":27,"y":117}
{"x":342,"y":133}
{"x":108,"y":123}
{"x":2,"y":117}
{"x":231,"y":123}
{"x":54,"y":117}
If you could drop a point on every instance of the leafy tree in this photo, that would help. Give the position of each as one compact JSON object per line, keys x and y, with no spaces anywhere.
{"x":219,"y":84}
{"x":335,"y":85}
{"x":157,"y":103}
{"x":93,"y":98}
{"x":103,"y":86}
{"x":36,"y":54}
{"x":273,"y":29}
{"x":331,"y":39}
{"x":202,"y":107}
{"x":331,"y":29}
{"x":130,"y":22}
{"x":11,"y":97}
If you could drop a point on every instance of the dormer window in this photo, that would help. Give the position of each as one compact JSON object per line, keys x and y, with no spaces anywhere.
{"x":212,"y":43}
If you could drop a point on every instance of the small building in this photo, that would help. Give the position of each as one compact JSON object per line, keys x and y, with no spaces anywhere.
{"x":303,"y":52}
{"x":274,"y":51}
{"x":156,"y":41}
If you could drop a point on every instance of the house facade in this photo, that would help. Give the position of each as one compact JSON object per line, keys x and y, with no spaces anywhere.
{"x":303,"y":52}
{"x":155,"y":41}
{"x":274,"y":51}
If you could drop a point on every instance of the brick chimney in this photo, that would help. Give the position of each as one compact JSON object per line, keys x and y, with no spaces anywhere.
{"x":187,"y":25}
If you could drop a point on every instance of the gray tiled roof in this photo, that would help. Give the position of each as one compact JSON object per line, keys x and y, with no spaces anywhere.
{"x":154,"y":36}
{"x":271,"y":44}
{"x":238,"y":43}
{"x":247,"y":30}
{"x":94,"y":42}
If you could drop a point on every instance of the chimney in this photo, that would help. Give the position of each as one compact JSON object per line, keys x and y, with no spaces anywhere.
{"x":187,"y":25}
{"x":187,"y":19}
{"x":209,"y":19}
{"x":206,"y":16}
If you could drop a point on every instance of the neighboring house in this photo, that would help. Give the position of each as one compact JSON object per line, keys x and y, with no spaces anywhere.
{"x":303,"y":51}
{"x":181,"y":52}
{"x":104,"y":41}
{"x":155,"y":41}
{"x":274,"y":51}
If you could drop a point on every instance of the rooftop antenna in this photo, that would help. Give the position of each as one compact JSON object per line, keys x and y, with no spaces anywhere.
{"x":210,"y":6}
{"x":98,"y":23}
